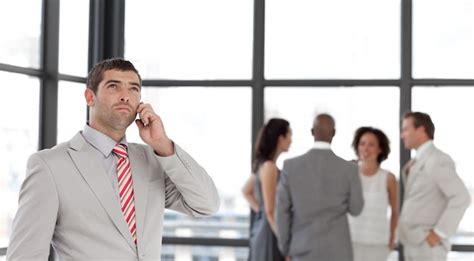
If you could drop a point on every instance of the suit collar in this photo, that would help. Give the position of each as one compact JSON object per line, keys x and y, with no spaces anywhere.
{"x":424,"y":149}
{"x":100,"y":141}
{"x":322,"y":145}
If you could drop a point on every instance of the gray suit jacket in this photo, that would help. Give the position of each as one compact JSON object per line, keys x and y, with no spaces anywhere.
{"x":434,"y":197}
{"x":315,"y":193}
{"x":67,"y":199}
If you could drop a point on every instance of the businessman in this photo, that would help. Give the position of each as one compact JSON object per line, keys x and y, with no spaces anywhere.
{"x":435,"y":198}
{"x":98,"y":197}
{"x":315,"y":193}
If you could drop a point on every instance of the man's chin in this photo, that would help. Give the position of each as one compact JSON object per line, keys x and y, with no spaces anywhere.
{"x":122,"y":123}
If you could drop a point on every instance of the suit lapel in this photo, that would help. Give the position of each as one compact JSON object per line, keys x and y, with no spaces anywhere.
{"x":405,"y":171}
{"x":417,"y":167}
{"x":94,"y":174}
{"x":140,"y":185}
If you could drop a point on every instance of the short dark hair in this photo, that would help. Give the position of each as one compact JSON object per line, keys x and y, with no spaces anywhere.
{"x":96,"y":74}
{"x":422,"y":119}
{"x":384,"y":142}
{"x":267,"y":140}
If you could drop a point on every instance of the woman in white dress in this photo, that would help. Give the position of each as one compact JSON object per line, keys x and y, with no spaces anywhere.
{"x":373,"y":232}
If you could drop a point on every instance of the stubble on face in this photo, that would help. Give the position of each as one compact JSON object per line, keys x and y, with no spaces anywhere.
{"x":120,"y":119}
{"x":110,"y":110}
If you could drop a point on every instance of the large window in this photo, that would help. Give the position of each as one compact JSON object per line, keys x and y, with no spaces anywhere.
{"x":18,"y":139}
{"x":187,"y":40}
{"x":20,"y":41}
{"x":74,"y":37}
{"x":443,"y":36}
{"x":217,"y":70}
{"x":212,"y":125}
{"x":307,"y":39}
{"x":72,"y":109}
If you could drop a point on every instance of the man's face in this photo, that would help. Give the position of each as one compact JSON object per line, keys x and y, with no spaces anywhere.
{"x":410,"y":135}
{"x":114,"y":106}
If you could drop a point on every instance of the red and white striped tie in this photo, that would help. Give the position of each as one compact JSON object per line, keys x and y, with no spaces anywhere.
{"x":126,"y":188}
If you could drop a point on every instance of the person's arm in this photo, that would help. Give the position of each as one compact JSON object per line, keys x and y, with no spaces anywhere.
{"x":356,"y":197}
{"x":268,"y":177}
{"x":35,"y":220}
{"x":455,"y":192}
{"x":188,"y":187}
{"x":284,"y":216}
{"x":393,"y":200}
{"x":249,"y":193}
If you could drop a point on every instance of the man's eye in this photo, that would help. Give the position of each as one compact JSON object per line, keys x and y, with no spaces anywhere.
{"x":113,"y":86}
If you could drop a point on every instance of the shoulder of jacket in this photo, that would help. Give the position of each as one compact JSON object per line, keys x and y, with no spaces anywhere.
{"x":56,"y":150}
{"x":440,"y":156}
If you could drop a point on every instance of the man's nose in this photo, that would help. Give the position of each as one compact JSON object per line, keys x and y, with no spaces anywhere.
{"x":124,"y":97}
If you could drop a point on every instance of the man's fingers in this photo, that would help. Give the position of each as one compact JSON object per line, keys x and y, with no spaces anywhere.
{"x":139,"y":124}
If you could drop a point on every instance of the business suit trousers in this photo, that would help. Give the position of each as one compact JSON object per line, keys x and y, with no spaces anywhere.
{"x":425,"y":252}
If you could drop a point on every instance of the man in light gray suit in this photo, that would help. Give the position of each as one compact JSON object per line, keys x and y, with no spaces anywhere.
{"x":98,"y":197}
{"x":435,"y":198}
{"x":315,"y":193}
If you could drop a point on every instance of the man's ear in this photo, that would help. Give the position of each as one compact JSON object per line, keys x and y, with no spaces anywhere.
{"x":89,"y":95}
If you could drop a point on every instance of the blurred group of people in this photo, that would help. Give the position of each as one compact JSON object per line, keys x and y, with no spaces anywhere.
{"x":322,"y":207}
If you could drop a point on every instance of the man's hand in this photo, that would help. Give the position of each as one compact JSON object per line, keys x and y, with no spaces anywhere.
{"x":433,"y":239}
{"x":152,"y":131}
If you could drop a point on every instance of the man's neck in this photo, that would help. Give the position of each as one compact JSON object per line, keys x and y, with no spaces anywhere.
{"x":116,"y":135}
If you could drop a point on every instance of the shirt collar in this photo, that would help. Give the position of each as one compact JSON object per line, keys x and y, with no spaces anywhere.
{"x":422,"y":149}
{"x":100,"y":141}
{"x":322,"y":145}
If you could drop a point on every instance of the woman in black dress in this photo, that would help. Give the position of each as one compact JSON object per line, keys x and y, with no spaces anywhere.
{"x":260,"y":189}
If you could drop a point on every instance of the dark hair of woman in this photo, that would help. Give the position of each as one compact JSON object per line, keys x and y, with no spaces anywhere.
{"x":267,"y":141}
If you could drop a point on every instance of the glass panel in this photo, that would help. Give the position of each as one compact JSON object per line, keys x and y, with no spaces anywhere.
{"x":332,"y":39}
{"x":213,"y":125}
{"x":19,"y":126}
{"x":208,"y":39}
{"x":72,"y":109}
{"x":21,"y":32}
{"x":454,"y":136}
{"x":460,"y":256}
{"x":443,"y":36}
{"x":197,"y":253}
{"x":350,"y":107}
{"x":74,"y":37}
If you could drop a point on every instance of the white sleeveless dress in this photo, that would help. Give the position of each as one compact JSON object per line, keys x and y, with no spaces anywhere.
{"x":370,"y":231}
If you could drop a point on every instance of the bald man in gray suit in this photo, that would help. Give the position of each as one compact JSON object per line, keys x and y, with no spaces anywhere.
{"x":315,"y":193}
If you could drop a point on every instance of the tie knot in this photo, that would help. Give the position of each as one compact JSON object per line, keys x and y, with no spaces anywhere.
{"x":120,"y":150}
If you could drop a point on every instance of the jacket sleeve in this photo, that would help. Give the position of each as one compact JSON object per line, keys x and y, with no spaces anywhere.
{"x":283,"y":212}
{"x":356,"y":198}
{"x":456,"y":193}
{"x":35,"y":220}
{"x":188,"y":187}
